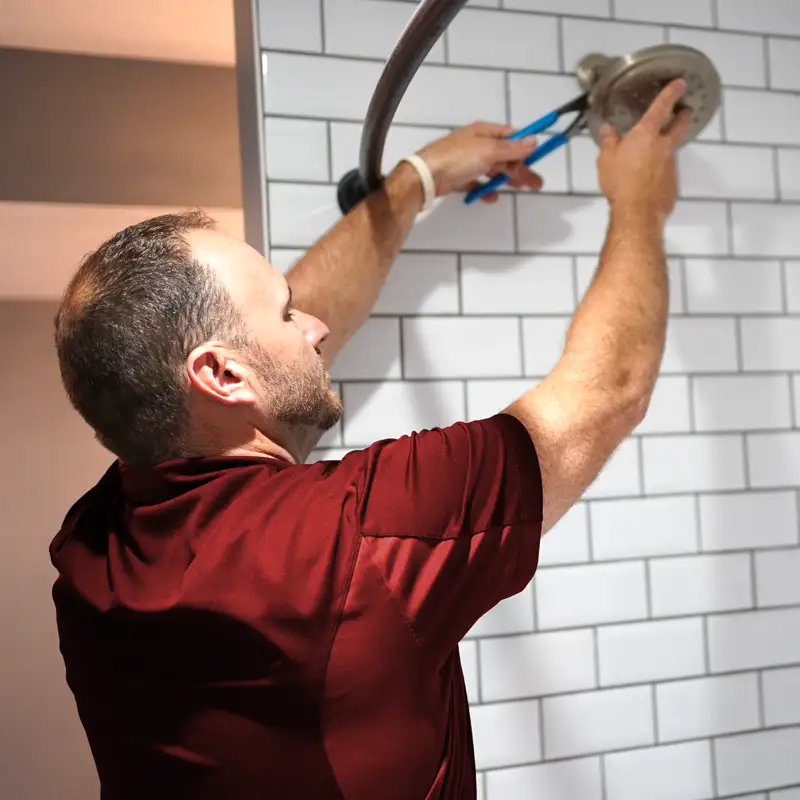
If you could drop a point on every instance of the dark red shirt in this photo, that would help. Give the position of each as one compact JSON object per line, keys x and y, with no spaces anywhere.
{"x":239,"y":628}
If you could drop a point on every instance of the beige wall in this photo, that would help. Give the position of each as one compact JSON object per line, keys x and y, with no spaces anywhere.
{"x":49,"y":458}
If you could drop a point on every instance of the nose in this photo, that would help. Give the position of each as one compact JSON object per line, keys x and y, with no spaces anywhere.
{"x":315,"y":330}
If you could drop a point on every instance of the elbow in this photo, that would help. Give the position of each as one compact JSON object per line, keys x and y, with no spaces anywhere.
{"x":634,"y":404}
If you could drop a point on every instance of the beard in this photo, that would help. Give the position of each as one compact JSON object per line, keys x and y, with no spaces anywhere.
{"x":297,"y":395}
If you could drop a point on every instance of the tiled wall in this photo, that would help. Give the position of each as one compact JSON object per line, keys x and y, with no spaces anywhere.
{"x":657,"y":652}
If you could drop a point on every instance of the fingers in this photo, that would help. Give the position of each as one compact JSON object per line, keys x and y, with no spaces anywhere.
{"x":522,"y":177}
{"x":680,"y":127}
{"x":609,"y":136}
{"x":493,"y":129}
{"x":662,"y":108}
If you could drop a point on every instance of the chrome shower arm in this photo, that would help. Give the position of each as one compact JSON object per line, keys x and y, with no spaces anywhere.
{"x":424,"y":29}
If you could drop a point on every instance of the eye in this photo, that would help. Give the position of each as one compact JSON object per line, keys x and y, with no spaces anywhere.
{"x":288,"y":314}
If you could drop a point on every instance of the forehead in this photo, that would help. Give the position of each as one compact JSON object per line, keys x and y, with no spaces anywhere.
{"x":246,"y":274}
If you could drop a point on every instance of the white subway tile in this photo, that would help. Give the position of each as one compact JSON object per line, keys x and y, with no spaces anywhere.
{"x":620,"y":476}
{"x":792,"y":286}
{"x":697,"y":227}
{"x":766,"y":16}
{"x":784,"y":56}
{"x":453,"y":96}
{"x":765,"y":229}
{"x":698,"y":463}
{"x":789,"y":173}
{"x":669,"y":407}
{"x":372,"y":354}
{"x":567,"y":542}
{"x":556,"y":224}
{"x":587,"y":8}
{"x":583,"y":153}
{"x":455,"y":226}
{"x":752,"y":519}
{"x":774,"y":459}
{"x":700,"y":344}
{"x":420,"y":283}
{"x":512,"y":615}
{"x":587,"y":266}
{"x":782,"y":794}
{"x":650,"y":651}
{"x":468,"y":652}
{"x":435,"y":347}
{"x":517,"y":284}
{"x":733,"y":287}
{"x":582,"y":36}
{"x":781,"y":696}
{"x":753,"y":639}
{"x":684,"y":12}
{"x":769,"y":343}
{"x":283,"y":259}
{"x":314,"y":86}
{"x":299,"y":214}
{"x":650,"y":526}
{"x":541,"y":664}
{"x":503,"y":39}
{"x":533,"y":96}
{"x":707,"y":707}
{"x":506,"y":734}
{"x":400,"y":141}
{"x":290,"y":26}
{"x":707,"y":583}
{"x":589,"y":595}
{"x":485,"y":398}
{"x":778,"y":578}
{"x":671,"y":772}
{"x":543,"y":343}
{"x":592,"y":722}
{"x":757,"y":760}
{"x":742,"y":402}
{"x":713,"y":130}
{"x":727,"y":171}
{"x":296,"y":149}
{"x":575,"y":778}
{"x":553,"y":170}
{"x":739,"y":58}
{"x":760,"y":117}
{"x":367,"y":28}
{"x":375,"y":411}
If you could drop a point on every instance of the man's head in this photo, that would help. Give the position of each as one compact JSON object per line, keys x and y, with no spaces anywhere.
{"x":176,"y":340}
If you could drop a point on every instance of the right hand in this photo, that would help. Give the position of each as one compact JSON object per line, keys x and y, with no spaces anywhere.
{"x":637,"y":171}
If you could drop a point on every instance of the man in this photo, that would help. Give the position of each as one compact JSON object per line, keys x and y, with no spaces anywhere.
{"x":236,"y":624}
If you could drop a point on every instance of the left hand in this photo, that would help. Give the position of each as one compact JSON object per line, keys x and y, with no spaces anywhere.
{"x":482,"y":148}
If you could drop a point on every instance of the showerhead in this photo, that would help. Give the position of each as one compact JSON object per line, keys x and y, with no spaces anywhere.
{"x":622,"y":88}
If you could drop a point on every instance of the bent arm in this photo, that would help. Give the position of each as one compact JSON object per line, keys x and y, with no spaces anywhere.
{"x":339,"y":279}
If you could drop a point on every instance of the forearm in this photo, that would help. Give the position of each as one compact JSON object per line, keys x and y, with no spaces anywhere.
{"x":340,"y":278}
{"x":617,"y":336}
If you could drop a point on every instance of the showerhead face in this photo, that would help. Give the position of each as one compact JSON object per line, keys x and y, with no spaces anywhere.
{"x":622,"y":89}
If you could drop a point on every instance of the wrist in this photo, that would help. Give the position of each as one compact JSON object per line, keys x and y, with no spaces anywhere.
{"x":638,"y":214}
{"x":404,"y":183}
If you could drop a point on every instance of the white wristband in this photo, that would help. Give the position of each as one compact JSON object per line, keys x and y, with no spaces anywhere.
{"x":425,"y":177}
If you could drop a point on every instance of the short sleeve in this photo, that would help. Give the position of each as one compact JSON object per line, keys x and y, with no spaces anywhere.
{"x":452,"y":518}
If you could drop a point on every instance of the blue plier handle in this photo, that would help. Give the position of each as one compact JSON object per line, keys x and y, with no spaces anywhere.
{"x":579,"y":104}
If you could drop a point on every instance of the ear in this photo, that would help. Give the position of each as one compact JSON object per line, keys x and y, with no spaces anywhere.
{"x":214,"y":371}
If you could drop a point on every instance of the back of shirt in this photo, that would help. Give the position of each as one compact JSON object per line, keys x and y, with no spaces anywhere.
{"x":241,"y":627}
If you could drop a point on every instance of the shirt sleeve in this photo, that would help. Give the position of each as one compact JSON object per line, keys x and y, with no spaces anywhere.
{"x":452,"y":518}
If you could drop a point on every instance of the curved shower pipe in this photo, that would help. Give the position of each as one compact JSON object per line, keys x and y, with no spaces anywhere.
{"x":424,"y":29}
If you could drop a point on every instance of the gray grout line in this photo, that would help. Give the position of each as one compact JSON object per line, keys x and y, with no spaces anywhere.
{"x":706,"y":646}
{"x":737,"y":335}
{"x":712,"y":757}
{"x":792,"y":401}
{"x":656,"y":738}
{"x":761,"y":705}
{"x":753,"y":579}
{"x":732,"y":612}
{"x":715,"y":14}
{"x":603,"y":778}
{"x":490,"y":68}
{"x":784,"y":267}
{"x":401,"y":348}
{"x":560,"y":42}
{"x":679,"y":25}
{"x":478,"y":670}
{"x":767,"y":65}
{"x":329,"y":137}
{"x":776,"y":173}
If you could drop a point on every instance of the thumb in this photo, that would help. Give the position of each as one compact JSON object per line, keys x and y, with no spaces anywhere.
{"x":515,"y":149}
{"x":609,"y":136}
